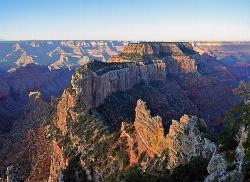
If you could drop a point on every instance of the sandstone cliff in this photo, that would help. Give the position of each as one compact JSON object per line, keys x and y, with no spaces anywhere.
{"x":95,"y":86}
{"x":149,"y":131}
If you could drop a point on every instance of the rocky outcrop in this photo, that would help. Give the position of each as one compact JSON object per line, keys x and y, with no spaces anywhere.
{"x":183,"y":141}
{"x":58,"y":163}
{"x":222,"y":169}
{"x":181,"y":64}
{"x":24,"y":60}
{"x":149,"y":131}
{"x":67,"y":102}
{"x":63,"y":62}
{"x":91,"y":86}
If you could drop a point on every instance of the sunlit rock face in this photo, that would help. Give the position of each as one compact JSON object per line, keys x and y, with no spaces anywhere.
{"x":177,"y":56}
{"x":67,"y":102}
{"x":150,"y":132}
{"x":58,"y":163}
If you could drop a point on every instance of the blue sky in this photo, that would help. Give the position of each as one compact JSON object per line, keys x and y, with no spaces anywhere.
{"x":159,"y":20}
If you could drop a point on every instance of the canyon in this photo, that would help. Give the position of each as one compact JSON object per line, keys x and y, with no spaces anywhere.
{"x":152,"y":106}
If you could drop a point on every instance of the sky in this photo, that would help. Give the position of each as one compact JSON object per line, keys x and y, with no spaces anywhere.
{"x":147,"y":20}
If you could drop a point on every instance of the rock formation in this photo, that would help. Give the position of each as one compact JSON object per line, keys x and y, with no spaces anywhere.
{"x":138,"y":48}
{"x":25,"y":151}
{"x":58,"y":163}
{"x":67,"y":102}
{"x":185,"y":141}
{"x":149,"y":130}
{"x":92,"y":86}
{"x":73,"y":140}
{"x":182,"y":142}
{"x":221,"y":169}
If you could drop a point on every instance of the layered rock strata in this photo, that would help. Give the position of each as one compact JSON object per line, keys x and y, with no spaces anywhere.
{"x":177,"y":56}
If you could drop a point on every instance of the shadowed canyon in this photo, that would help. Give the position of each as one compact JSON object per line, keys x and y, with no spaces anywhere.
{"x":124,"y":111}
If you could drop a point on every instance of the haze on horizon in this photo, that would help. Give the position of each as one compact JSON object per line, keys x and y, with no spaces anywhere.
{"x":158,"y":20}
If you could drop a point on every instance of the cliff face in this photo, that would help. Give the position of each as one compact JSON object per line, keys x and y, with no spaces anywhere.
{"x":39,"y":155}
{"x":95,"y":86}
{"x":139,"y":48}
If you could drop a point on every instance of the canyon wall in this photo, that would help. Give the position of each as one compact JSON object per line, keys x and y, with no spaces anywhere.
{"x":95,"y":87}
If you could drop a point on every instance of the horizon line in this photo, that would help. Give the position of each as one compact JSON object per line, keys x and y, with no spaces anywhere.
{"x":26,"y":40}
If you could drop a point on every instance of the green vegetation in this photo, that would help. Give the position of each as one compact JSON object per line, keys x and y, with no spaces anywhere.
{"x":238,"y":116}
{"x":232,"y":122}
{"x":186,"y":48}
{"x":136,"y":57}
{"x":195,"y":170}
{"x":74,"y":171}
{"x":132,"y":56}
{"x":120,"y":151}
